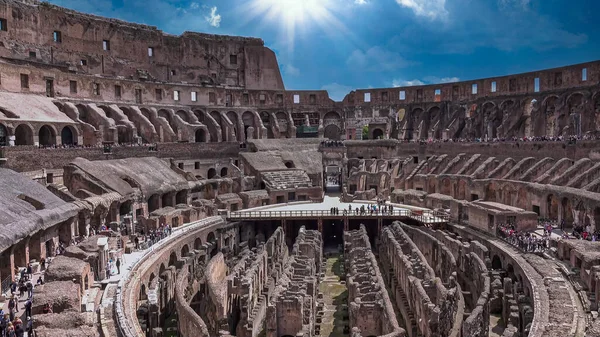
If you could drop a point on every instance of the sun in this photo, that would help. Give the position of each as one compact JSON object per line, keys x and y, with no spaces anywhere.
{"x":293,"y":16}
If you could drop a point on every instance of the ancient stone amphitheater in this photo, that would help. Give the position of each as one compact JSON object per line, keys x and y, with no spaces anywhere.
{"x":235,"y":207}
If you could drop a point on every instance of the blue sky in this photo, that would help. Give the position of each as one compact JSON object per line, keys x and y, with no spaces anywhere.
{"x":341,"y":45}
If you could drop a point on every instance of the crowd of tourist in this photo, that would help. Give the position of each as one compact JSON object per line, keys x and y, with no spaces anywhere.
{"x":153,"y":235}
{"x":150,"y":146}
{"x":11,"y":325}
{"x":332,"y":143}
{"x":526,"y":241}
{"x":569,"y":139}
{"x":364,"y":210}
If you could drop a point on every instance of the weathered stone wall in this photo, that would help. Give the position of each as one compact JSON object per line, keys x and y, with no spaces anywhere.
{"x":370,"y":310}
{"x":437,"y":308}
{"x":291,"y":309}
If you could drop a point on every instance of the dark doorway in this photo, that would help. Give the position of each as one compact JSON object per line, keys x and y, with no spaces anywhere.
{"x":3,"y":135}
{"x":49,"y":87}
{"x":66,"y":136}
{"x":46,"y":136}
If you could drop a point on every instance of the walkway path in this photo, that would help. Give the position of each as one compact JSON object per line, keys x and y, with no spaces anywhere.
{"x":335,"y":298}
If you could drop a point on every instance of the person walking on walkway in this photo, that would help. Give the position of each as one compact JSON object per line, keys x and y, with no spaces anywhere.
{"x":118,"y":266}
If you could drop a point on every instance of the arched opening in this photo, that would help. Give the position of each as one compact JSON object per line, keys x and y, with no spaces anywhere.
{"x":567,"y":211}
{"x":200,"y":136}
{"x":377,"y":134}
{"x":212,"y":240}
{"x":211,"y":173}
{"x":248,"y":120}
{"x":172,"y":259}
{"x":198,"y":244}
{"x":167,"y":200}
{"x":46,"y":136}
{"x":332,"y":132}
{"x":290,"y":164}
{"x":3,"y":135}
{"x":552,"y":207}
{"x":185,"y":250}
{"x":153,"y":203}
{"x":496,"y":263}
{"x":143,"y":293}
{"x":181,"y":197}
{"x":224,"y":172}
{"x":66,"y":136}
{"x":183,"y":115}
{"x":23,"y":135}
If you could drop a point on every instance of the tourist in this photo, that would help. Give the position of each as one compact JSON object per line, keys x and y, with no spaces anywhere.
{"x":29,"y":286}
{"x":118,"y":266}
{"x":40,"y":281}
{"x":29,"y":328}
{"x":28,"y":306}
{"x":47,"y":309}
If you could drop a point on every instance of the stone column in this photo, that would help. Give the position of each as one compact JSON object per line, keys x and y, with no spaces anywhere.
{"x":346,"y":224}
{"x":320,"y":225}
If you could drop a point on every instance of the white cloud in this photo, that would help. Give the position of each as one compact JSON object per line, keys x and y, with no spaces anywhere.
{"x":435,"y":79}
{"x":406,"y":83}
{"x":432,"y":9}
{"x":337,"y":91}
{"x":194,"y":5}
{"x":512,"y":3}
{"x":291,"y":70}
{"x":376,"y":59}
{"x":213,"y":18}
{"x":424,"y":81}
{"x":361,"y":2}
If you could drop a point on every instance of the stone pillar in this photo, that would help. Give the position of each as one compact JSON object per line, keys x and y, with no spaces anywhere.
{"x":320,"y":225}
{"x":12,"y":263}
{"x":346,"y":224}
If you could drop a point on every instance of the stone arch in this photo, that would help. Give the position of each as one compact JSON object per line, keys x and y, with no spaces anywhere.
{"x":185,"y":250}
{"x":567,"y":210}
{"x":496,"y":263}
{"x":233,"y":117}
{"x":153,"y":203}
{"x":282,"y":121}
{"x":572,"y":118}
{"x":446,"y":186}
{"x":377,"y":133}
{"x":217,"y":117}
{"x":181,"y":197}
{"x":212,"y":129}
{"x":200,"y":136}
{"x":549,"y":111}
{"x":289,"y":164}
{"x":211,"y":238}
{"x":461,"y":193}
{"x":522,"y":198}
{"x":198,"y":244}
{"x":552,"y":207}
{"x":184,"y":116}
{"x":434,"y":116}
{"x":224,"y":172}
{"x":414,"y":123}
{"x":332,"y":132}
{"x":68,"y":135}
{"x":172,"y":258}
{"x":508,"y":195}
{"x":249,"y":121}
{"x":211,"y":173}
{"x":490,"y":191}
{"x":3,"y":135}
{"x":47,"y":135}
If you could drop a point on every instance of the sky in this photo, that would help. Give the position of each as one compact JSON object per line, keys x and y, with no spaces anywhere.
{"x":342,"y":45}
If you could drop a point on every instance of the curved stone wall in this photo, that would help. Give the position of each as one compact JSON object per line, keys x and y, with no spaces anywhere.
{"x":149,"y":265}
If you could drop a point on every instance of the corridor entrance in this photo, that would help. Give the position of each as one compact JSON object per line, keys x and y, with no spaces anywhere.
{"x":333,"y":179}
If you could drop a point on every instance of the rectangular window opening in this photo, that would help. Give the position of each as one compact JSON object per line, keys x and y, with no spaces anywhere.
{"x":438,"y":92}
{"x":494,"y":86}
{"x":584,"y":74}
{"x":3,"y":25}
{"x":105,"y":45}
{"x":196,"y":165}
{"x":212,"y":98}
{"x":384,"y":96}
{"x":194,"y":96}
{"x":117,"y":91}
{"x":279,"y":98}
{"x":262,"y":98}
{"x":57,"y":36}
{"x":83,"y":62}
{"x":24,"y":81}
{"x":367,"y":97}
{"x":150,"y":51}
{"x":474,"y":89}
{"x":32,"y":54}
{"x":138,"y":96}
{"x":296,"y":99}
{"x":233,"y":59}
{"x":96,"y":89}
{"x":312,"y":99}
{"x":73,"y":86}
{"x":228,"y":100}
{"x":176,"y":95}
{"x":245,"y":99}
{"x":402,"y":95}
{"x":158,"y":94}
{"x":536,"y":84}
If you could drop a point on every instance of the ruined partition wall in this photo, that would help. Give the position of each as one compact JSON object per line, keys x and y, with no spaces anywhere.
{"x":371,"y":311}
{"x":430,"y":306}
{"x":291,"y":309}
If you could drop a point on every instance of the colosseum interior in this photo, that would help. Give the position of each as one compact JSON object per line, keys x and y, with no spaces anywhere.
{"x":158,"y":185}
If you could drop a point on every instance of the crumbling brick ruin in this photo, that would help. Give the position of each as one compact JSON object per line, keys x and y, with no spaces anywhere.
{"x":121,"y":142}
{"x":371,"y":311}
{"x":292,"y":308}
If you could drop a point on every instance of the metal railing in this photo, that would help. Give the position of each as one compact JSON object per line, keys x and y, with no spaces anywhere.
{"x":5,"y":285}
{"x":423,"y":216}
